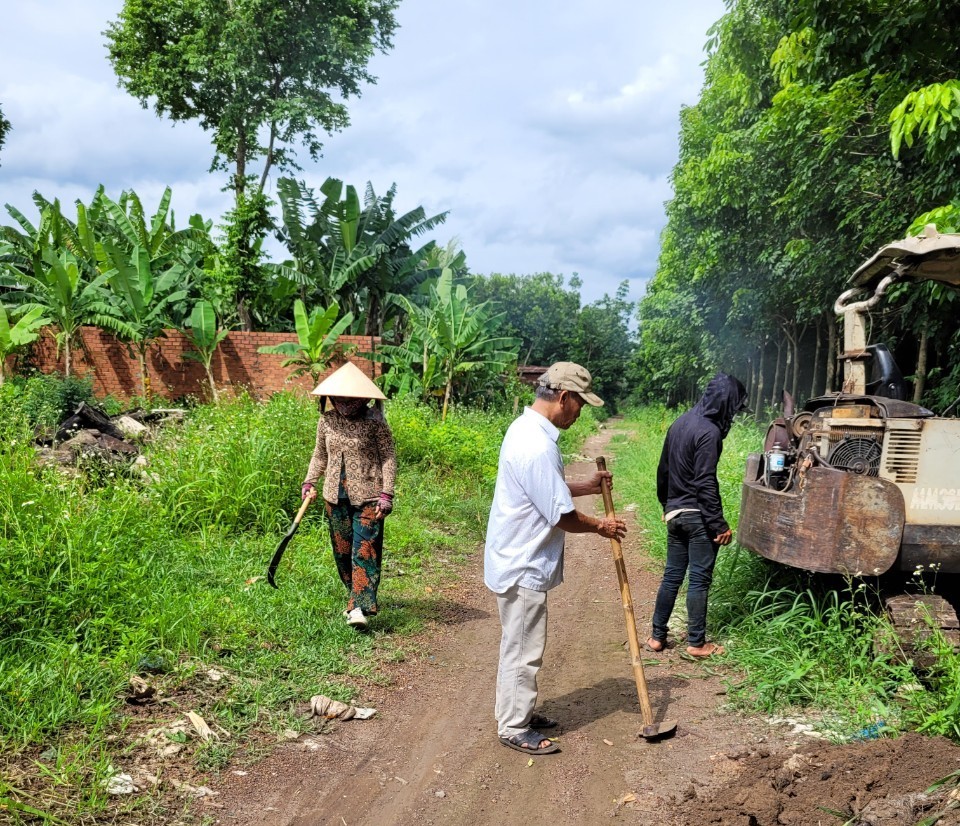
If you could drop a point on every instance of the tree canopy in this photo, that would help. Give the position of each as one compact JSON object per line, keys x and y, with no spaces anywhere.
{"x":788,"y":177}
{"x":258,"y":74}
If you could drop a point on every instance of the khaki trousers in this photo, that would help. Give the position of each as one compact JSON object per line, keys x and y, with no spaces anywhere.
{"x":523,"y":619}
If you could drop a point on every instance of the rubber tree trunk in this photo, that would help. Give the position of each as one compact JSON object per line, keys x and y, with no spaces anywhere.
{"x":758,"y":399}
{"x":789,"y":371}
{"x":776,"y":376}
{"x":920,"y":382}
{"x":831,"y":354}
{"x":816,"y":357}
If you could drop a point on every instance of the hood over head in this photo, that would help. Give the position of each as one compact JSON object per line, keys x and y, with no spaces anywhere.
{"x":724,"y":397}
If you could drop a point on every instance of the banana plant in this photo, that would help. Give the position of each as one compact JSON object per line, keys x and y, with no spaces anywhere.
{"x":142,"y":302}
{"x":203,"y":335}
{"x":58,"y":288}
{"x":322,"y":238}
{"x":413,"y":368}
{"x":465,"y":336}
{"x":316,"y":346}
{"x":24,"y":332}
{"x":53,"y":266}
{"x":358,"y":253}
{"x":449,"y":341}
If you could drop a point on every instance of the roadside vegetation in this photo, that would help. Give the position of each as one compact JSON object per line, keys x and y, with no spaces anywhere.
{"x":797,"y":644}
{"x":158,"y":573}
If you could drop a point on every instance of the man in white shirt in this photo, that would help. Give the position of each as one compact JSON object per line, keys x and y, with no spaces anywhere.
{"x":523,"y":559}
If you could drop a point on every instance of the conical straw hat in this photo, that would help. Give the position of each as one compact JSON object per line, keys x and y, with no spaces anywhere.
{"x":349,"y":381}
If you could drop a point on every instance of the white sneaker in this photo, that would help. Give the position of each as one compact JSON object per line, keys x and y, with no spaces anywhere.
{"x":356,"y":619}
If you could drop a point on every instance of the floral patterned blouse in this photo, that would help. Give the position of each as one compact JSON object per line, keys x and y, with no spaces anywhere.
{"x":362,"y":449}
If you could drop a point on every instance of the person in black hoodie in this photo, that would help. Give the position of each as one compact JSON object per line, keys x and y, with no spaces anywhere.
{"x":688,"y":490}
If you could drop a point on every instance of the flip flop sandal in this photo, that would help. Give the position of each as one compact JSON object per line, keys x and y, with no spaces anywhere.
{"x":542,"y":721}
{"x":529,"y":743}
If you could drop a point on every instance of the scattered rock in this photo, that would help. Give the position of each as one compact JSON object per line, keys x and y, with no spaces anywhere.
{"x":195,"y":791}
{"x":130,"y":427}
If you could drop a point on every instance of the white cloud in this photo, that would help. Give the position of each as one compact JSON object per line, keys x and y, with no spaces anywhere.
{"x":547,"y":129}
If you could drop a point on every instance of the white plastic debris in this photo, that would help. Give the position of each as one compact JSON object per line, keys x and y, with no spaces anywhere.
{"x":120,"y":784}
{"x":200,"y":725}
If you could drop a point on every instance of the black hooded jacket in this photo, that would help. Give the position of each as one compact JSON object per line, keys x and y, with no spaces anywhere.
{"x":687,"y":474}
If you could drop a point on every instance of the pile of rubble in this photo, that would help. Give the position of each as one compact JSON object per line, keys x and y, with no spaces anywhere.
{"x":89,"y":433}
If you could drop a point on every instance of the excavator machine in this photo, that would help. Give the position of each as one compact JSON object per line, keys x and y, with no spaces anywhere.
{"x":861,"y":482}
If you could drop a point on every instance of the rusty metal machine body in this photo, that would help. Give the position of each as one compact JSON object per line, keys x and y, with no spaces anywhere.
{"x":861,"y":482}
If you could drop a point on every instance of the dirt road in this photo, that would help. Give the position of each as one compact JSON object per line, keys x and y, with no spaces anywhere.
{"x":431,"y":754}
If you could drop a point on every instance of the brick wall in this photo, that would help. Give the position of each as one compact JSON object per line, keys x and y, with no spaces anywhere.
{"x":236,"y":364}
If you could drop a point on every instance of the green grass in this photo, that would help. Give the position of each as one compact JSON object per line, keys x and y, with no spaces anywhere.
{"x":795,"y":641}
{"x":155,"y":571}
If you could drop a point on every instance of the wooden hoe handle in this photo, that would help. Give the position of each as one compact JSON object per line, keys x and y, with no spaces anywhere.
{"x":625,"y":598}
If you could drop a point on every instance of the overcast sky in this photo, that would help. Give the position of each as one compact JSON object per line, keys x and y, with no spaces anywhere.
{"x":547,"y":128}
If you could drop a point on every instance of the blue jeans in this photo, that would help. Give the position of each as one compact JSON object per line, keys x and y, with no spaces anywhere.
{"x":690,"y":548}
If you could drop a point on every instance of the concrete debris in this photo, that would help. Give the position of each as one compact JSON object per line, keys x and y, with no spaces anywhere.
{"x":88,"y":433}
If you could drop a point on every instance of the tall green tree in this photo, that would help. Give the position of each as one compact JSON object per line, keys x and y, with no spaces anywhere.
{"x":260,"y":75}
{"x":604,"y":344}
{"x":786,"y":181}
{"x":538,"y":309}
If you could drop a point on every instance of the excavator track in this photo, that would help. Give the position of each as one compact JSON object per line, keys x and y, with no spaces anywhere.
{"x":915,"y":618}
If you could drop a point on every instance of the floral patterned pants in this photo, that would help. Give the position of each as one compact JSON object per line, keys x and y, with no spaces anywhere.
{"x":357,"y":538}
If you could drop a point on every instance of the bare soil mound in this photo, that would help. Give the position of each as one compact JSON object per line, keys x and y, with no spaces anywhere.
{"x":874,"y":783}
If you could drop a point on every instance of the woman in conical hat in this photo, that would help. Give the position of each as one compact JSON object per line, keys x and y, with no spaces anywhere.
{"x":354,"y":454}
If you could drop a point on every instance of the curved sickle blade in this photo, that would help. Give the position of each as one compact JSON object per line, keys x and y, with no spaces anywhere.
{"x":278,"y":553}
